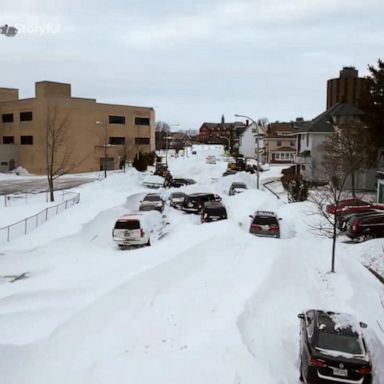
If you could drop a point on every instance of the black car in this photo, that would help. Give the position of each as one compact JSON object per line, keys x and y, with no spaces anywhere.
{"x":229,"y":172}
{"x":213,"y":211}
{"x":152,"y":201}
{"x":179,"y":182}
{"x":333,"y":349}
{"x":194,"y":202}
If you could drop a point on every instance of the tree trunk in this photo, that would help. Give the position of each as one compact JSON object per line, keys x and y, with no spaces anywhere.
{"x":353,"y":184}
{"x":334,"y":245}
{"x":51,"y":190}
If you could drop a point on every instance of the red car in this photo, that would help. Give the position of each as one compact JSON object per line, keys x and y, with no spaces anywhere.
{"x":347,"y":204}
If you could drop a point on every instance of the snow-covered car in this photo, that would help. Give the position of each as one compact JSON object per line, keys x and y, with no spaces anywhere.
{"x":333,"y":349}
{"x":211,"y":159}
{"x":237,"y":187}
{"x":213,"y":211}
{"x":194,"y":202}
{"x":152,"y":201}
{"x":153,"y":181}
{"x":176,"y":199}
{"x":138,"y":228}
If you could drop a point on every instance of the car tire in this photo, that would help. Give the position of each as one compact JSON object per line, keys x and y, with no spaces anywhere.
{"x":148,"y":242}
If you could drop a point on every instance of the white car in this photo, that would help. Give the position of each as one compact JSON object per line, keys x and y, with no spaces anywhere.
{"x":138,"y":228}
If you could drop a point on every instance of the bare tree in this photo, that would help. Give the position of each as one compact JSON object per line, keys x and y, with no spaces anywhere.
{"x":349,"y":147}
{"x":330,"y":194}
{"x":57,"y":149}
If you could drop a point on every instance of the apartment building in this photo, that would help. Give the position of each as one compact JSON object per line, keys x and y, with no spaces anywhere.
{"x":97,"y":136}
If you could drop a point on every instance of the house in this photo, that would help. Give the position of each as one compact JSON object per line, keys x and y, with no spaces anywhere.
{"x":251,"y":142}
{"x":98,"y":136}
{"x":310,"y":137}
{"x":280,"y":142}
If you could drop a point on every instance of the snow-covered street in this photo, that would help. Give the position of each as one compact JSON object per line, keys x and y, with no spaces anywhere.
{"x":206,"y":303}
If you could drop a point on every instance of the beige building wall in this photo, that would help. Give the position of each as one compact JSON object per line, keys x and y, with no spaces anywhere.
{"x":86,"y":140}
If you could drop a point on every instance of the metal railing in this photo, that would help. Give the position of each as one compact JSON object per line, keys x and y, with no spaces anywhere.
{"x":27,"y":225}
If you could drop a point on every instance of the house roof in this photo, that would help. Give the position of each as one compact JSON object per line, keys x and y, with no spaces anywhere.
{"x":323,"y":122}
{"x":236,"y":124}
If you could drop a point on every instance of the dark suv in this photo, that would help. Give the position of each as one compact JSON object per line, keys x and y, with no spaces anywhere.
{"x":213,"y":211}
{"x":332,"y":349}
{"x":365,"y":227}
{"x":179,"y":182}
{"x":194,"y":202}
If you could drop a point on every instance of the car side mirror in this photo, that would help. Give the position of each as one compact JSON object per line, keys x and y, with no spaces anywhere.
{"x":363,"y":325}
{"x":280,"y":218}
{"x":301,"y":316}
{"x":251,"y":216}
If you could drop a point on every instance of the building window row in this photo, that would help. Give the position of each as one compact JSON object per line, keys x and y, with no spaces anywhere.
{"x":284,"y":156}
{"x":24,"y":116}
{"x":141,"y":140}
{"x":24,"y":140}
{"x":115,"y":119}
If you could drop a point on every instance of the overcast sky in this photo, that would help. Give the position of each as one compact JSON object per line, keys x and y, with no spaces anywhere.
{"x":192,"y":61}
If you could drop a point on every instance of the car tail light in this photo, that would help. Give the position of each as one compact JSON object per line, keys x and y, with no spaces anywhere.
{"x":316,"y":362}
{"x":141,"y":232}
{"x":354,"y":225}
{"x":274,"y":228}
{"x":364,"y":370}
{"x":256,"y":227}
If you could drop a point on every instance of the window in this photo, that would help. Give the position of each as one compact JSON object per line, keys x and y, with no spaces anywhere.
{"x":8,"y":140}
{"x":117,"y":140}
{"x":3,"y":163}
{"x":7,"y":118}
{"x":141,"y":120}
{"x":307,"y":140}
{"x":278,"y":143}
{"x":116,"y":119}
{"x":26,"y":140}
{"x":292,"y":143}
{"x":25,"y":116}
{"x":141,"y":140}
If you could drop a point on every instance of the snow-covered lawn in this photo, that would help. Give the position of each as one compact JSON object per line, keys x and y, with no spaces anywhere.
{"x":207,"y":303}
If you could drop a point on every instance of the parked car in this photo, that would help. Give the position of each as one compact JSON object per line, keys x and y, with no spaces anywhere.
{"x":333,"y":349}
{"x":152,"y":201}
{"x":343,"y":218}
{"x":138,"y":228}
{"x":195,"y":201}
{"x":353,"y":202}
{"x":176,"y":199}
{"x":213,"y":211}
{"x":211,"y":159}
{"x":237,"y":187}
{"x":229,"y":172}
{"x":265,"y":223}
{"x":179,"y":182}
{"x":153,"y":181}
{"x":365,"y":227}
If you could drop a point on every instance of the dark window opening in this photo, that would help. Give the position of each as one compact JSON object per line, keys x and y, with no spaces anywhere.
{"x":127,"y":224}
{"x":116,"y":119}
{"x":141,"y":120}
{"x":7,"y":118}
{"x":25,"y":116}
{"x":117,"y":140}
{"x":141,"y":140}
{"x":8,"y":140}
{"x":26,"y":140}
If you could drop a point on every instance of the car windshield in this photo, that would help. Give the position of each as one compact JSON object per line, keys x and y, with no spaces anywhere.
{"x":177,"y":195}
{"x":146,"y":207}
{"x":127,"y":224}
{"x":265,"y":220}
{"x":152,"y":198}
{"x":339,"y":342}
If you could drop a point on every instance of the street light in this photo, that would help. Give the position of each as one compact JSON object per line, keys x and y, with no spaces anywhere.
{"x":105,"y":147}
{"x":257,"y":146}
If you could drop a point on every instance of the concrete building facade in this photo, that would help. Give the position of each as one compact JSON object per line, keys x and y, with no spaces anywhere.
{"x":97,"y":136}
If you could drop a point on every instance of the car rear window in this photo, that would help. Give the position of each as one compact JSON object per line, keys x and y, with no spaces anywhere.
{"x":339,"y":342}
{"x":216,"y":211}
{"x":152,"y":198}
{"x":265,"y":220}
{"x":127,"y":224}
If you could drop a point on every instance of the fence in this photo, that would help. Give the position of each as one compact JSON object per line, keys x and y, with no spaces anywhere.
{"x":19,"y":198}
{"x":27,"y":225}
